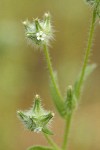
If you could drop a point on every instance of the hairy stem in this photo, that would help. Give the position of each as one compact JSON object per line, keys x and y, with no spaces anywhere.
{"x":47,"y":56}
{"x":67,"y":131}
{"x":88,"y":50}
{"x":58,"y":100}
{"x":51,"y":142}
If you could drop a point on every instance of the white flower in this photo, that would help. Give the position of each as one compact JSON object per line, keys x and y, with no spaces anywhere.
{"x":41,"y":36}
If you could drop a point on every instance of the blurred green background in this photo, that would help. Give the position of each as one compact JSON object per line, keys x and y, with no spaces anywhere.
{"x":23,"y":72}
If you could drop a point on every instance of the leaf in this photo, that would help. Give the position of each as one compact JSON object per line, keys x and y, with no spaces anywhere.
{"x":56,"y":96}
{"x":39,"y":148}
{"x":88,"y":71}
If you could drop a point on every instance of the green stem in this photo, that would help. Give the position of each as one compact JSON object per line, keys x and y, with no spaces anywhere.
{"x":51,"y":142}
{"x":46,"y":52}
{"x":88,"y":50}
{"x":57,"y":97}
{"x":66,"y":132}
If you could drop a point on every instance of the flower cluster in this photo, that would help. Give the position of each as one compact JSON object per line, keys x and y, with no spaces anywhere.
{"x":36,"y":119}
{"x":39,"y":32}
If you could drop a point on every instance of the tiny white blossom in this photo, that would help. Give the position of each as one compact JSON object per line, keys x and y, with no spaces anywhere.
{"x":41,"y":36}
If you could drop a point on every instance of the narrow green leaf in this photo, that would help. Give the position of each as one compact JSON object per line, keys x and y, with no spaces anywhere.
{"x":88,"y":71}
{"x":56,"y":98}
{"x":39,"y":148}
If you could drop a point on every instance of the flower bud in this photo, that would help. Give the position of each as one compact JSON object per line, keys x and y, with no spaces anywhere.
{"x":70,"y":102}
{"x":36,"y":119}
{"x":39,"y":32}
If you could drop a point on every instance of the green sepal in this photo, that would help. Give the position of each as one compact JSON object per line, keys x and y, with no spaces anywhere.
{"x":47,"y":19}
{"x":47,"y":131}
{"x":88,"y":71}
{"x":37,"y":104}
{"x":57,"y":99}
{"x":37,"y":24}
{"x":46,"y":118}
{"x":39,"y":148}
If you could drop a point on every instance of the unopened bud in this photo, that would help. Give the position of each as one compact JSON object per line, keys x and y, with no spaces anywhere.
{"x":70,"y":102}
